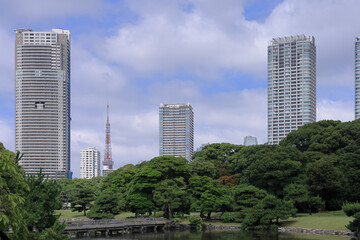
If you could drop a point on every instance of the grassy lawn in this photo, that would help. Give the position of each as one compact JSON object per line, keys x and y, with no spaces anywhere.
{"x":69,"y":214}
{"x":335,"y":220}
{"x":124,"y":215}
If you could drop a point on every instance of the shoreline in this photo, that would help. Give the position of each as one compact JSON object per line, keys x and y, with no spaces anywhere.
{"x":314,"y":231}
{"x":231,"y":227}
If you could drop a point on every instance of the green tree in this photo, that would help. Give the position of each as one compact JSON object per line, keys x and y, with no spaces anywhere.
{"x":171,"y":195}
{"x":83,"y":195}
{"x":170,"y":167}
{"x":219,"y":154}
{"x":266,"y":214}
{"x":327,"y":181}
{"x":12,"y":185}
{"x":119,"y":179}
{"x":335,"y":142}
{"x":314,"y":137}
{"x":273,"y":167}
{"x":207,"y":195}
{"x":349,"y":165}
{"x":302,"y":199}
{"x":27,"y":204}
{"x":139,"y":194}
{"x":353,"y":210}
{"x":203,"y":168}
{"x":67,"y":191}
{"x":106,"y":205}
{"x":246,"y":197}
{"x":41,"y":201}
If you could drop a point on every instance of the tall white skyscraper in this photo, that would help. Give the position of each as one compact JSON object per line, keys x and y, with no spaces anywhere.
{"x":89,"y":163}
{"x":176,"y":130}
{"x":357,"y":77}
{"x":42,"y":101}
{"x":291,"y":85}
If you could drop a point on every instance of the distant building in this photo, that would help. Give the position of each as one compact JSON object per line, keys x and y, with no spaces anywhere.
{"x":89,"y":163}
{"x":291,"y":85}
{"x":201,"y":147}
{"x":42,"y":101}
{"x":357,"y":77}
{"x":249,"y":141}
{"x":176,"y":130}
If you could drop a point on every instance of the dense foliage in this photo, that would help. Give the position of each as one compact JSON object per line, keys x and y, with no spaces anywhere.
{"x":12,"y":184}
{"x":314,"y":168}
{"x":353,"y":210}
{"x":27,"y":204}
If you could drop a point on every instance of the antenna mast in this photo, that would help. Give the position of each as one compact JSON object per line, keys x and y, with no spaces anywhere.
{"x":108,"y":162}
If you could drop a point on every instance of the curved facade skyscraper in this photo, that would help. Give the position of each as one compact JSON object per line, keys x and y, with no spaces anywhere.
{"x":42,"y":101}
{"x":291,"y":85}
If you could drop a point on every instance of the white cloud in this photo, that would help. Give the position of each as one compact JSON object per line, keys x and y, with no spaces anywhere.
{"x":24,"y":11}
{"x":214,"y":36}
{"x":92,"y":77}
{"x":7,"y":62}
{"x":199,"y":41}
{"x":229,"y":117}
{"x":335,"y":110}
{"x":7,"y":135}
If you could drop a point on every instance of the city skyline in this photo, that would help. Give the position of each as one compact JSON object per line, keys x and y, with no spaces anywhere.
{"x":138,"y":54}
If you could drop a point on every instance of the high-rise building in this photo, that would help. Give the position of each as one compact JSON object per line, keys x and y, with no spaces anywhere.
{"x":291,"y":85}
{"x":357,"y":77}
{"x":176,"y":130}
{"x":42,"y":101}
{"x":89,"y":163}
{"x":249,"y":141}
{"x":108,"y":162}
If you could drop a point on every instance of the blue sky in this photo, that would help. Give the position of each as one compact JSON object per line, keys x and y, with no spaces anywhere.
{"x":140,"y":53}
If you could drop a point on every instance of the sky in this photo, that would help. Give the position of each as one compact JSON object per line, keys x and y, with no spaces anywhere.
{"x":137,"y":54}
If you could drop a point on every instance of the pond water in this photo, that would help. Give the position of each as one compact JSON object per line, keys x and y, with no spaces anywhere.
{"x":219,"y":235}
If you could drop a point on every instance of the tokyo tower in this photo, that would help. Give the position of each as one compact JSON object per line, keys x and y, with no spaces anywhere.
{"x":108,"y":162}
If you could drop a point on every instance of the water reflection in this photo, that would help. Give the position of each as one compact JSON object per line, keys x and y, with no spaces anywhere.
{"x":219,"y":235}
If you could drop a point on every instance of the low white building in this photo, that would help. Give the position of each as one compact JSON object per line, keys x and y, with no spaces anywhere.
{"x":89,"y":163}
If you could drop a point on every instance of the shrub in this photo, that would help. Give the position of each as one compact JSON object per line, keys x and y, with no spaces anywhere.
{"x":93,"y":214}
{"x":232,"y":217}
{"x":227,"y":217}
{"x":352,"y":210}
{"x":196,"y":220}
